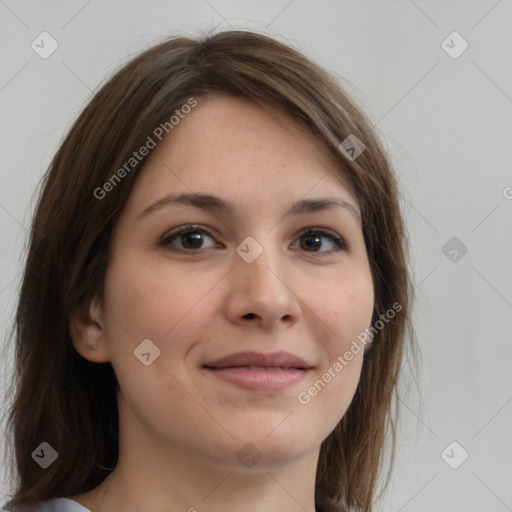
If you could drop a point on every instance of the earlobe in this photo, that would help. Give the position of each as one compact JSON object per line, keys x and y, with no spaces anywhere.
{"x":87,"y":331}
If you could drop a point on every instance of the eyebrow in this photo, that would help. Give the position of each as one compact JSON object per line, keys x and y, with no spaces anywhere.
{"x":215,"y":204}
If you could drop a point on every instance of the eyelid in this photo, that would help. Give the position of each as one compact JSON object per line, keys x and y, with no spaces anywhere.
{"x":328,"y":233}
{"x":185,"y":229}
{"x":338,"y":240}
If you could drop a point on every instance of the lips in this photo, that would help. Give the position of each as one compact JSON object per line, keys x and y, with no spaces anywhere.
{"x":253,"y":371}
{"x":281,"y":359}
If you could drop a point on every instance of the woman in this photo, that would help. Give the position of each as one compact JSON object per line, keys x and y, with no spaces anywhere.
{"x":216,"y":299}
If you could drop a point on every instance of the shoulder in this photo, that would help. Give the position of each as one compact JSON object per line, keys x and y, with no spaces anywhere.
{"x":54,"y":505}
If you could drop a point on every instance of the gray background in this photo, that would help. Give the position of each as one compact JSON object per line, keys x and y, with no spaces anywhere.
{"x":447,"y":123}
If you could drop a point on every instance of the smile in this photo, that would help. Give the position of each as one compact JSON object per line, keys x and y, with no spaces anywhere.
{"x":256,"y":371}
{"x":258,"y":378}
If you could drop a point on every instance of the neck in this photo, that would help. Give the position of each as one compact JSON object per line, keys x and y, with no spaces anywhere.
{"x":156,"y":476}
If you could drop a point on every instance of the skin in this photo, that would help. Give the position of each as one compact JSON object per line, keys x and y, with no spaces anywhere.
{"x":180,"y":426}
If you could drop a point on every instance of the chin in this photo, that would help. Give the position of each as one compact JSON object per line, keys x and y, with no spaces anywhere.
{"x":275,"y":444}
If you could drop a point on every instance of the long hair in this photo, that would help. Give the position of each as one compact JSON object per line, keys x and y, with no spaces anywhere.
{"x":58,"y":396}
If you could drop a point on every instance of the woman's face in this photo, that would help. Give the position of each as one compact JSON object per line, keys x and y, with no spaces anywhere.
{"x":250,"y":279}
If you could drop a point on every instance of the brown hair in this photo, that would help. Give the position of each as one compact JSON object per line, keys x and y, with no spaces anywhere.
{"x":70,"y":402}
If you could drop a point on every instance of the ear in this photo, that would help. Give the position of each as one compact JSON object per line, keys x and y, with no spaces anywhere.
{"x":87,"y":331}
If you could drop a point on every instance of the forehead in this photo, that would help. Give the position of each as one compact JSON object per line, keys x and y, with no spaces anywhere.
{"x":231,"y":146}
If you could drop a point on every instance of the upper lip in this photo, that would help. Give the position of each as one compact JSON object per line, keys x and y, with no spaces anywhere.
{"x":275,"y":359}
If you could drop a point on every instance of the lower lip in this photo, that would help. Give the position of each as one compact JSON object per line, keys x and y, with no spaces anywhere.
{"x":260,"y":379}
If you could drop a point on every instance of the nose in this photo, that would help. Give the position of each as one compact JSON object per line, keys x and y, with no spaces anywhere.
{"x":262,"y":292}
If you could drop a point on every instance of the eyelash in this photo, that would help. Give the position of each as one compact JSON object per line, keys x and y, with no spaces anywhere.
{"x":190,"y":228}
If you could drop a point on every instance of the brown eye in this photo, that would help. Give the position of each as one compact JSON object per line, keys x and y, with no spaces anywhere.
{"x":313,"y":241}
{"x":186,"y":239}
{"x":191,"y":239}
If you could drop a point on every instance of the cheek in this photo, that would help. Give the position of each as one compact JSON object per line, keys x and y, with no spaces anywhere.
{"x":152,"y":300}
{"x":343,"y":307}
{"x":343,"y":312}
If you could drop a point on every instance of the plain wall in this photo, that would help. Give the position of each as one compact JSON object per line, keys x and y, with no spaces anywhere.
{"x":447,"y":123}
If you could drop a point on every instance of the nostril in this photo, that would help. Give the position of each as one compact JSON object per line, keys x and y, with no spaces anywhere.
{"x":249,"y":315}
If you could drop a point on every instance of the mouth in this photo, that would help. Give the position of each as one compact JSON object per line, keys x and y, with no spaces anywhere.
{"x":254,"y":371}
